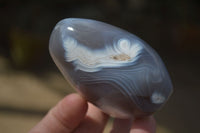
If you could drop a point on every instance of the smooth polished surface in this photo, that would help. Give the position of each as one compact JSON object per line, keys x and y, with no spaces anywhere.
{"x":110,"y":67}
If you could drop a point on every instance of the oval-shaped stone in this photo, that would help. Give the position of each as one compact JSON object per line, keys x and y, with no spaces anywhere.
{"x":112,"y":68}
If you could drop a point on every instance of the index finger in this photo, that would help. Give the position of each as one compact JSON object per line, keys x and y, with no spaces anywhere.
{"x":64,"y":117}
{"x":144,"y":125}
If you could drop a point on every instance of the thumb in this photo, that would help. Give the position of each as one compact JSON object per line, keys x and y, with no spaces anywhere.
{"x":64,"y":117}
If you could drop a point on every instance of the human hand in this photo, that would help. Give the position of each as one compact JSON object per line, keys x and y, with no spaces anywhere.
{"x":74,"y":115}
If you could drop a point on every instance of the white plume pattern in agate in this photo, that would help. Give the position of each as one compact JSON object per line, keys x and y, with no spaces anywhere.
{"x":110,"y":67}
{"x":88,"y":60}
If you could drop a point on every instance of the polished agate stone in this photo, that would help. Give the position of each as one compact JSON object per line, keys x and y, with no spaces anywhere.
{"x":110,"y":67}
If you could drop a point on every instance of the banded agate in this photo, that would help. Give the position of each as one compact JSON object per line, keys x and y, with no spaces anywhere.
{"x":112,"y":68}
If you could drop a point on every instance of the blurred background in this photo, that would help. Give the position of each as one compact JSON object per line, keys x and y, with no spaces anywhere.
{"x":30,"y":83}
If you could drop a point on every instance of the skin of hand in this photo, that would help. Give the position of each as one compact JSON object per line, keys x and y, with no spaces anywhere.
{"x":74,"y":115}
